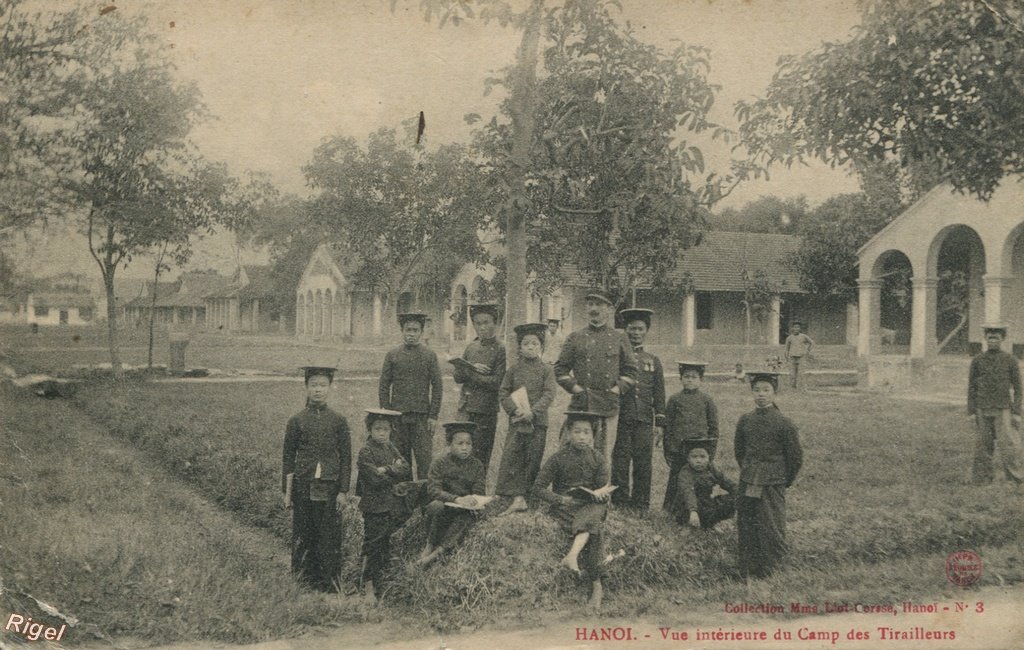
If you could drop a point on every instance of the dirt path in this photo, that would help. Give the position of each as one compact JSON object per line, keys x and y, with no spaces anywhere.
{"x":999,"y":626}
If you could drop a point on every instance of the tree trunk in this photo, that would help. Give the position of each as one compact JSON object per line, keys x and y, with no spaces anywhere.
{"x":152,"y":310}
{"x":115,"y":355}
{"x":522,"y":107}
{"x":952,"y":333}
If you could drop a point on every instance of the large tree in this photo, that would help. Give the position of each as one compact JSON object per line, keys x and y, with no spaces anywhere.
{"x":771,"y":214}
{"x":938,"y":83}
{"x":405,"y":216}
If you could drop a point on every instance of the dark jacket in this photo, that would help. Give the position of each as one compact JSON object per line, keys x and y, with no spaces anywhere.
{"x":993,"y":375}
{"x":318,"y":435}
{"x":597,"y":359}
{"x":375,"y":490}
{"x":480,"y":392}
{"x":645,"y":402}
{"x":693,"y":486}
{"x":570,"y":467}
{"x":539,"y":380}
{"x":767,"y":448}
{"x":410,"y":381}
{"x":688,"y":415}
{"x":450,"y":477}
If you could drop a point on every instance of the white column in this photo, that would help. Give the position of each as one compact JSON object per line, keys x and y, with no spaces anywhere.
{"x":773,"y":321}
{"x":994,"y":286}
{"x":869,"y":309}
{"x":689,"y":319}
{"x":852,"y":320}
{"x":378,"y":308}
{"x":922,"y":324}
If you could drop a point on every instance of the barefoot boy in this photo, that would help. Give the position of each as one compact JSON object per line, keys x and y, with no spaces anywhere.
{"x":455,"y":478}
{"x":316,"y":471}
{"x":578,"y":464}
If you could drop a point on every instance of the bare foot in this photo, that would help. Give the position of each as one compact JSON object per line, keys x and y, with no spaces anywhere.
{"x":611,"y":557}
{"x":596,"y":596}
{"x":427,"y":550}
{"x":569,"y":561}
{"x":518,"y":505}
{"x":429,"y":557}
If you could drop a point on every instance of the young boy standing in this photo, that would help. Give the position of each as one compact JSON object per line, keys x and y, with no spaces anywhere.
{"x":690,"y":414}
{"x":455,"y":478}
{"x":316,"y":471}
{"x":381,"y":467}
{"x":478,"y":401}
{"x":798,"y":346}
{"x":769,"y":455}
{"x":994,"y":404}
{"x":527,"y":428}
{"x":578,"y":464}
{"x":410,"y":382}
{"x":697,"y":481}
{"x":641,"y":417}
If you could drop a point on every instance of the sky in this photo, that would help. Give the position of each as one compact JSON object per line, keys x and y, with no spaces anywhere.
{"x":280,"y":76}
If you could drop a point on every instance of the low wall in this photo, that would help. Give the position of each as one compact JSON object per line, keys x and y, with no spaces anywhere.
{"x":938,"y":375}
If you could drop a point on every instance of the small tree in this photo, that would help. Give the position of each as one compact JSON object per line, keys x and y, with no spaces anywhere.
{"x":759,"y":293}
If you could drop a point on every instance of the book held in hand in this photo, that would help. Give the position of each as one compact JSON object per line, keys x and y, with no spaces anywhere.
{"x":586,"y":494}
{"x":481,"y":502}
{"x":459,"y":362}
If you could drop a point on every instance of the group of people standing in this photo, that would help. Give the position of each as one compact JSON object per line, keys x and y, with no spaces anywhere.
{"x":617,"y":414}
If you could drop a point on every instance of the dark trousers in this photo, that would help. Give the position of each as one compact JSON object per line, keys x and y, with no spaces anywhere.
{"x":994,"y":429}
{"x":316,"y":542}
{"x":586,"y":518}
{"x":377,"y":530}
{"x":633,"y":445}
{"x":521,"y":459}
{"x":483,"y":437}
{"x":412,"y":438}
{"x":711,"y":511}
{"x":761,"y":524}
{"x":447,"y":526}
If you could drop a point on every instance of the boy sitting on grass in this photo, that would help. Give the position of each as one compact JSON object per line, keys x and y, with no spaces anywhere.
{"x":697,"y":481}
{"x":453,"y":484}
{"x":381,"y":467}
{"x":690,"y":414}
{"x":577,"y":464}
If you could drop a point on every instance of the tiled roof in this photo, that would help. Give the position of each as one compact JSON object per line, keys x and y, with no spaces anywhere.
{"x":718,"y":262}
{"x":261,"y":282}
{"x":63,"y":299}
{"x":163,"y":290}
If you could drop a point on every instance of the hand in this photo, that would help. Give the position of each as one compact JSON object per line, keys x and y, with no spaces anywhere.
{"x":482,"y":368}
{"x":1015,"y":421}
{"x":694,"y":519}
{"x":431,"y":425}
{"x":659,"y":435}
{"x":339,"y":501}
{"x":577,"y":389}
{"x":615,"y":389}
{"x":381,"y":471}
{"x":527,"y":415}
{"x":400,"y":463}
{"x":603,"y":498}
{"x":568,"y":501}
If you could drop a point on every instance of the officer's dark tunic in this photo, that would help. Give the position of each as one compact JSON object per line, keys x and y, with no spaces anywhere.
{"x":478,"y":401}
{"x":693,"y":494}
{"x":524,"y":445}
{"x":641,"y":408}
{"x":450,"y":478}
{"x":689,"y":415}
{"x":380,"y":507}
{"x":769,"y":455}
{"x":567,"y":468}
{"x":318,"y":451}
{"x":410,"y":382}
{"x":993,"y":394}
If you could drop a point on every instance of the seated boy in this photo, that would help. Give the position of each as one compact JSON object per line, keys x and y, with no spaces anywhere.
{"x":455,"y":478}
{"x":578,"y":464}
{"x":696,"y":505}
{"x":381,"y":467}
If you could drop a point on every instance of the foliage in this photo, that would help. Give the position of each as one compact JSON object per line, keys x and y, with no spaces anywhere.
{"x":938,"y":84}
{"x":612,"y":186}
{"x":759,"y":292}
{"x":407,"y":218}
{"x":769,"y":214}
{"x":954,"y":305}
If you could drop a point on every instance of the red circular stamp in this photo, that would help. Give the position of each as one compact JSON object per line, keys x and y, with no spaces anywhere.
{"x":963,"y":568}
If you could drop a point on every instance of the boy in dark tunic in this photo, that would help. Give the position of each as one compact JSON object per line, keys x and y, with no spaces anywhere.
{"x":694,"y":503}
{"x":455,"y":479}
{"x":994,"y":403}
{"x":578,"y":464}
{"x":641,"y":417}
{"x":690,"y":414}
{"x":478,"y":401}
{"x":381,"y":467}
{"x":527,"y":429}
{"x":769,"y":455}
{"x":316,"y":471}
{"x":410,"y":382}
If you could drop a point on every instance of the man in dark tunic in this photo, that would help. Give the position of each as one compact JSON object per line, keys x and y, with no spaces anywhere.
{"x":316,"y":472}
{"x":641,"y":417}
{"x":478,"y":401}
{"x":410,"y":382}
{"x":769,"y":455}
{"x":994,"y":403}
{"x":596,"y":367}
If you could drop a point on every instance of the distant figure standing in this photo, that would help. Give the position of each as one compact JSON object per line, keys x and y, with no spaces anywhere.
{"x":994,"y":403}
{"x":596,"y":366}
{"x":478,"y":401}
{"x":410,"y":382}
{"x":553,"y":341}
{"x":798,"y":346}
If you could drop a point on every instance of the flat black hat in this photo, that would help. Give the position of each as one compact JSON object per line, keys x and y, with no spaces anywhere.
{"x":372,"y":415}
{"x":697,"y":443}
{"x":996,"y":326}
{"x":699,"y":366}
{"x":451,"y":428}
{"x":323,"y":371}
{"x":486,"y":308}
{"x":599,"y":296}
{"x":630,"y":315}
{"x":770,"y":376}
{"x":538,"y":329}
{"x":412,"y":316}
{"x":575,"y":416}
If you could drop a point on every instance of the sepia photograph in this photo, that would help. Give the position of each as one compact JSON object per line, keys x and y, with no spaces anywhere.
{"x":539,"y":324}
